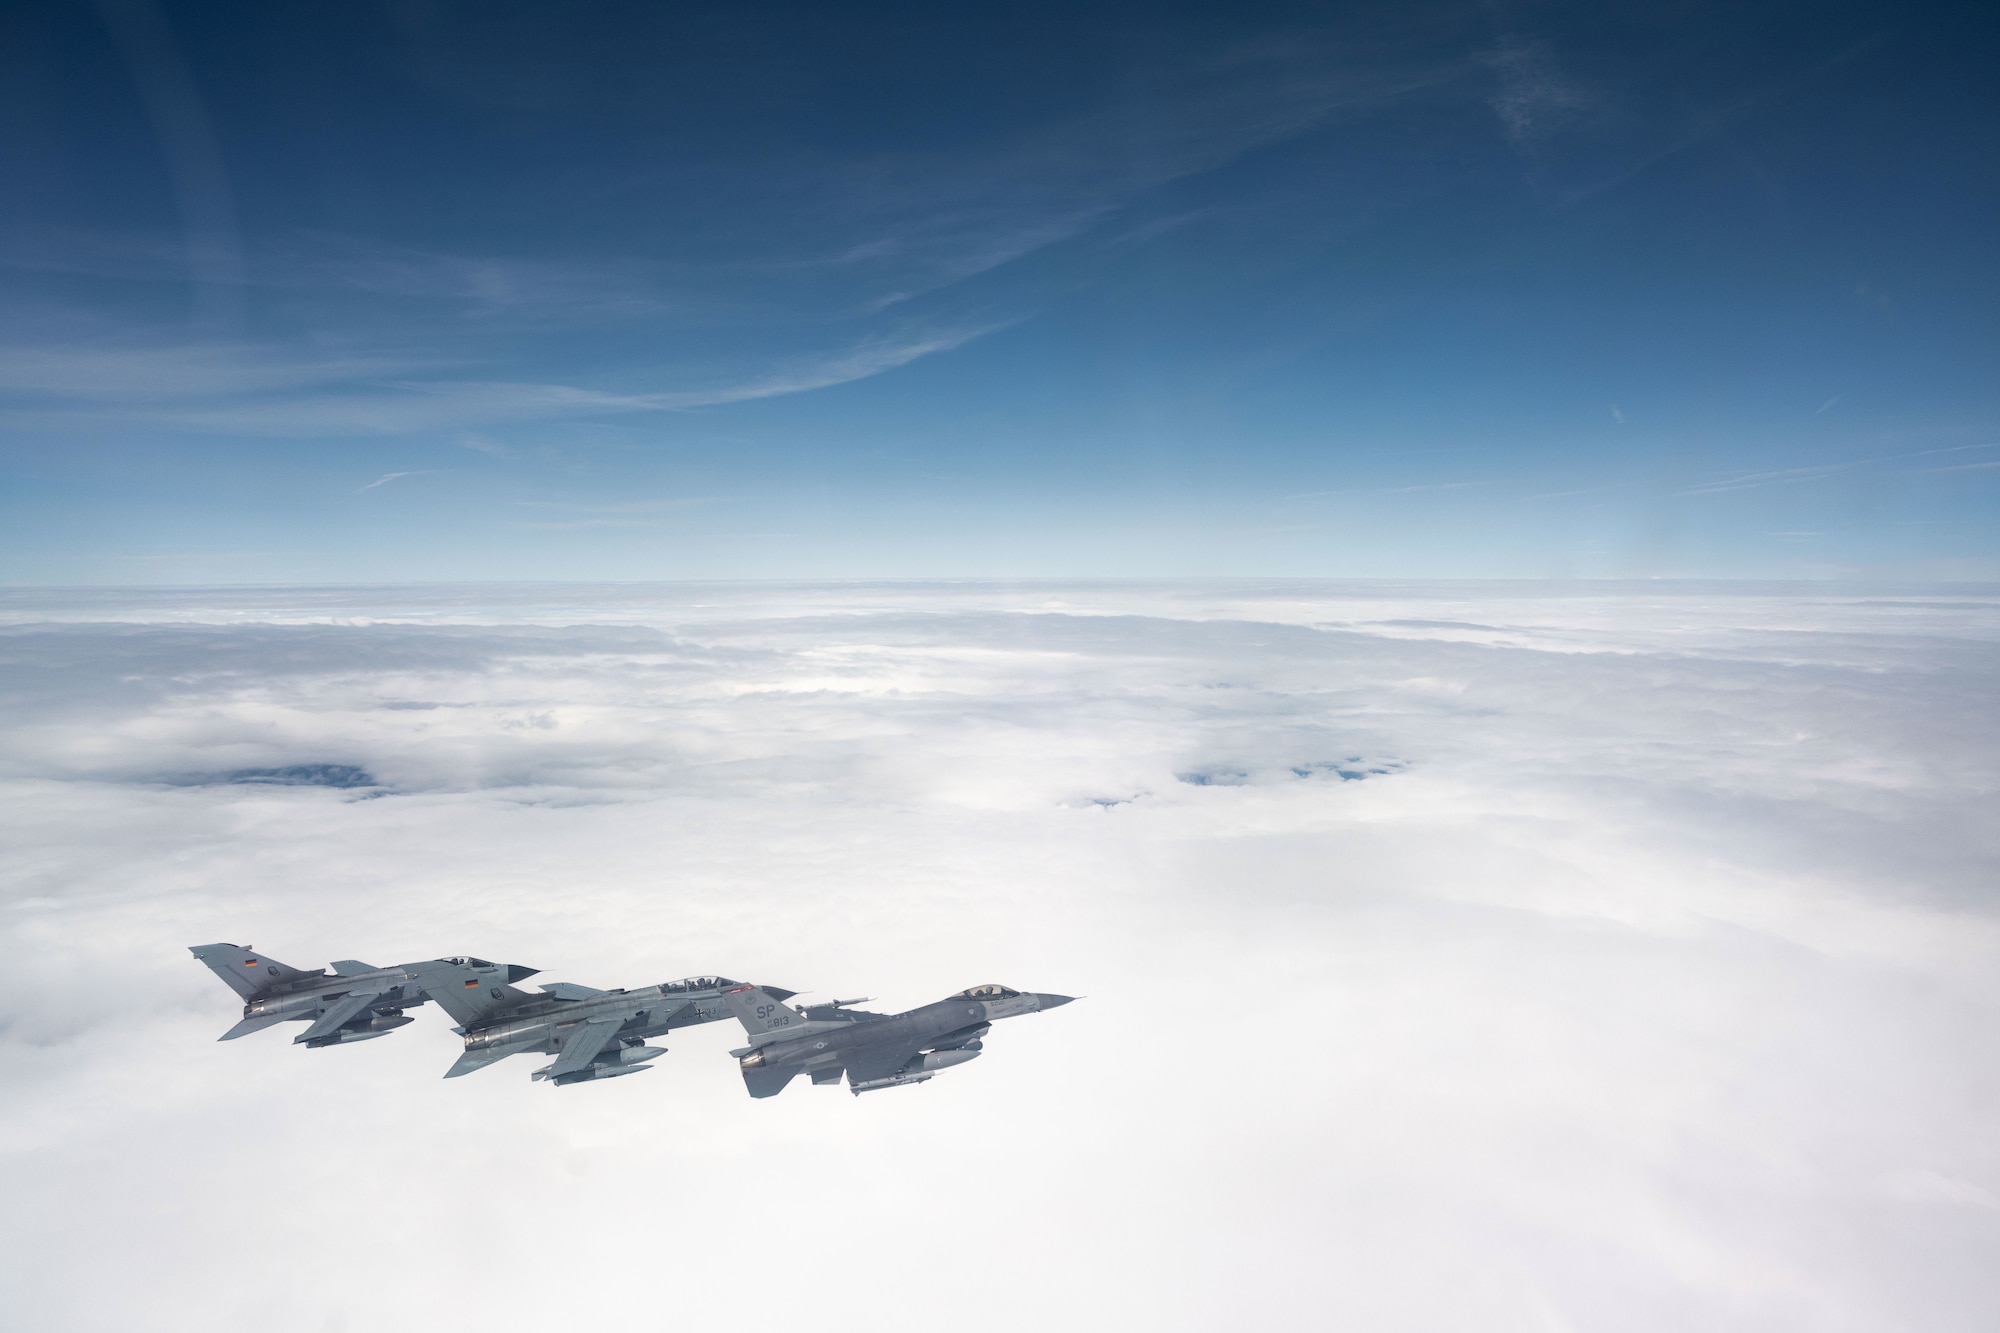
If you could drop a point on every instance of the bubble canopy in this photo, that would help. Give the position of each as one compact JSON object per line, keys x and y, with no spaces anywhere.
{"x":986,"y":993}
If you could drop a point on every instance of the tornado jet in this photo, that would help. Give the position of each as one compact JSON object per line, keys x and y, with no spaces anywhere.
{"x":594,"y":1034}
{"x":357,"y":1002}
{"x":875,"y":1051}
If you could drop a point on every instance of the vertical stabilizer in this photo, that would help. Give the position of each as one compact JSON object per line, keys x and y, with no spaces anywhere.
{"x":470,"y":988}
{"x":760,"y":1011}
{"x":248,"y":972}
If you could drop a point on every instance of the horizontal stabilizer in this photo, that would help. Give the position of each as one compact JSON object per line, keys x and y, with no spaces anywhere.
{"x":256,"y":1023}
{"x":569,"y":990}
{"x":768,"y":1082}
{"x":472,"y":1060}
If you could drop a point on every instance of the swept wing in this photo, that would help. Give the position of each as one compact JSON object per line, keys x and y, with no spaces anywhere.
{"x":878,"y":1060}
{"x":589,"y":1040}
{"x":336,"y":1015}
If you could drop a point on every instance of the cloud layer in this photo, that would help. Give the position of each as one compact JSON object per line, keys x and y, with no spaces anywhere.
{"x":1642,"y":978}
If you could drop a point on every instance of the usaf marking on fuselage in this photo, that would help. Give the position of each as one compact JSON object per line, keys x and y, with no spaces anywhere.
{"x":593,"y":1034}
{"x":874,"y":1050}
{"x":358,"y":1002}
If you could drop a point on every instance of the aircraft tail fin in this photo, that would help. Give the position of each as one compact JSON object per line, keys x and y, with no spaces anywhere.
{"x":471,"y":988}
{"x":760,"y":1012}
{"x":247,"y":972}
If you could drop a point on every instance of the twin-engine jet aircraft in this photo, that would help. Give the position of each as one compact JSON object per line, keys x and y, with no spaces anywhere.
{"x":592,"y":1033}
{"x":358,"y":1002}
{"x":874,"y":1050}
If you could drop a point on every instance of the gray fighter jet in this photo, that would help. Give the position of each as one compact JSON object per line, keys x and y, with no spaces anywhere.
{"x":874,"y":1050}
{"x":358,"y":1002}
{"x":593,"y":1034}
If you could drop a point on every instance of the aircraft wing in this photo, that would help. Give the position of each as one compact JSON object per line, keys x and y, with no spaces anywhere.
{"x":590,"y":1038}
{"x":879,"y":1060}
{"x":330,"y":1019}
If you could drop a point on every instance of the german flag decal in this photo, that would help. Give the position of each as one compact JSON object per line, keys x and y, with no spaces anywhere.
{"x":249,"y":962}
{"x":471,"y":982}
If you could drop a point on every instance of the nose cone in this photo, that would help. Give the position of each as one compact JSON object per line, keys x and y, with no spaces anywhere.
{"x":1047,"y":1001}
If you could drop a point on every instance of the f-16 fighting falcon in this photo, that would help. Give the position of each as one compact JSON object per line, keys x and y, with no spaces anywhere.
{"x":874,"y":1050}
{"x":593,"y":1034}
{"x":357,"y":1003}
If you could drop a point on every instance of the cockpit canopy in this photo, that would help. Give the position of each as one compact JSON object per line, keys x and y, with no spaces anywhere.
{"x":695,"y":983}
{"x":466,"y":962}
{"x":986,"y":993}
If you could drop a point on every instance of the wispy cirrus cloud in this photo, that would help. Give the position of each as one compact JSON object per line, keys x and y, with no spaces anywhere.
{"x":457,"y":338}
{"x":179,"y":372}
{"x":934,"y":220}
{"x":859,"y":362}
{"x":241,"y":391}
{"x":1785,"y":476}
{"x":1532,"y":97}
{"x":1389,"y":490}
{"x":365,"y":408}
{"x":1775,"y":477}
{"x":888,"y":227}
{"x":388,"y":477}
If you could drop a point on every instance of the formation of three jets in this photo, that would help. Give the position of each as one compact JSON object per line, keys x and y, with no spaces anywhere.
{"x":597,"y":1034}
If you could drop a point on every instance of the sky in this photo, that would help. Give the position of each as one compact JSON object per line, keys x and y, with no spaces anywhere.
{"x":1455,"y":958}
{"x":1434,"y":562}
{"x":405,"y":292}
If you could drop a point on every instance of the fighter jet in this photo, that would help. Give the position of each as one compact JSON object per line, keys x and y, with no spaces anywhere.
{"x":874,"y":1050}
{"x":594,"y":1034}
{"x":359,"y":1002}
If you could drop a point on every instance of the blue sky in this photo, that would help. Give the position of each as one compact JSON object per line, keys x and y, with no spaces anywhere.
{"x":645,"y":291}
